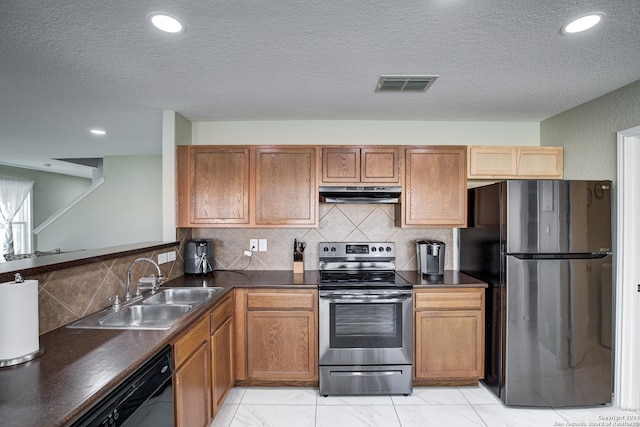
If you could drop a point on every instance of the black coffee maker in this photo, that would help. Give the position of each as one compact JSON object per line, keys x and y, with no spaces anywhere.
{"x":198,"y":257}
{"x":430,"y":257}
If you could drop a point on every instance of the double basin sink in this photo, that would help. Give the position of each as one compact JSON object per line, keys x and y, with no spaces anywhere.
{"x":160,"y":310}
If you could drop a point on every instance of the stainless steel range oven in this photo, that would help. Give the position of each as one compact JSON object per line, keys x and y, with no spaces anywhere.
{"x":366,"y":323}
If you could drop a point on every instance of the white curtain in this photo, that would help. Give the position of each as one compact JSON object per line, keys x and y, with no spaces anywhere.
{"x":12,"y":194}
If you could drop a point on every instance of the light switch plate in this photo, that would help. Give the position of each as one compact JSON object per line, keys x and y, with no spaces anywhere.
{"x":162,"y":258}
{"x":262,"y":245}
{"x":253,"y":244}
{"x":171,"y":256}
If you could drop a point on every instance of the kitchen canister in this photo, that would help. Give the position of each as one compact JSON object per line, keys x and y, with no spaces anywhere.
{"x":19,"y":334}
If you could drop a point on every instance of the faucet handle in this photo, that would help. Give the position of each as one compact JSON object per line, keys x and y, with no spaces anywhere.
{"x":116,"y":302}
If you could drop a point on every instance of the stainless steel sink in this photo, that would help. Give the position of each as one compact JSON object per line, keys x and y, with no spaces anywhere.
{"x":145,"y":316}
{"x":191,"y":296}
{"x":158,"y":311}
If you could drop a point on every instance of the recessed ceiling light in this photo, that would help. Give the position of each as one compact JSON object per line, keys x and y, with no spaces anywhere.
{"x":166,"y":23}
{"x":582,"y":23}
{"x":98,"y":132}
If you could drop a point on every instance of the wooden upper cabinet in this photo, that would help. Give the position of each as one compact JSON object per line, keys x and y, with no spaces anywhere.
{"x":247,"y":186}
{"x":355,"y":165}
{"x":286,"y":186}
{"x":515,"y":162}
{"x":213,"y":185}
{"x":435,"y":187}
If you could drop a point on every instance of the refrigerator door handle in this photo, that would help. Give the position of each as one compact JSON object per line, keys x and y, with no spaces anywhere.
{"x":548,"y":256}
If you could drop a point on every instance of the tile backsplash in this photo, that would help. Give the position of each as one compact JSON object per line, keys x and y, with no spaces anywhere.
{"x":68,"y":294}
{"x":338,"y":222}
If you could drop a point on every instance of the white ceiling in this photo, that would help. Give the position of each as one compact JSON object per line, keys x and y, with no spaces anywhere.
{"x":68,"y":66}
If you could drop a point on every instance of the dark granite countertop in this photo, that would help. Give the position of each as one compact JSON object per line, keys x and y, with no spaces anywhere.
{"x":450,"y":278}
{"x":82,"y":365}
{"x":32,"y":266}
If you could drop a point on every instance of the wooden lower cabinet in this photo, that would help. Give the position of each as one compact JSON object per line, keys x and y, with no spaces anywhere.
{"x":222,"y":345}
{"x":449,"y":336}
{"x":191,"y":378}
{"x":279,"y":336}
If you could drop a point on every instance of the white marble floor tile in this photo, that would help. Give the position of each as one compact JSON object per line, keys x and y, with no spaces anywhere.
{"x":235,"y":395}
{"x":225,"y":415}
{"x":275,"y":416}
{"x":599,"y":414}
{"x":431,"y":395}
{"x":501,"y":416}
{"x":479,"y":395}
{"x":356,"y":416}
{"x":279,"y":396}
{"x":438,"y":416}
{"x":355,"y":400}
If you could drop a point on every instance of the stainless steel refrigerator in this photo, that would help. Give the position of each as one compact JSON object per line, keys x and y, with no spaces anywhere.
{"x":544,"y":247}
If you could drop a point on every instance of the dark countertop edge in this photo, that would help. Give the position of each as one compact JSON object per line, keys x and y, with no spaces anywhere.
{"x":33,"y":266}
{"x":450,"y":279}
{"x":228,"y":280}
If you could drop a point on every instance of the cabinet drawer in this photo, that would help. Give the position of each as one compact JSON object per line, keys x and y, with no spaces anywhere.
{"x":221,"y":313}
{"x":191,"y":341}
{"x":280,"y":300}
{"x":446,"y":299}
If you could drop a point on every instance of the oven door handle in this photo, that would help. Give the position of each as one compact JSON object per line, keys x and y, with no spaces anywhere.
{"x":381,"y":298}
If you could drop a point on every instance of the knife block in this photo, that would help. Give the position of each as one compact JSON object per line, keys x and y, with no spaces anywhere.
{"x":298,"y":267}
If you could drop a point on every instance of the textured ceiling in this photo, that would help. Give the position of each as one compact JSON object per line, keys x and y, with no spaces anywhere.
{"x":67,"y":66}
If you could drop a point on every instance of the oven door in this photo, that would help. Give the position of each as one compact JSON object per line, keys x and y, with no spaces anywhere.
{"x":365,"y":327}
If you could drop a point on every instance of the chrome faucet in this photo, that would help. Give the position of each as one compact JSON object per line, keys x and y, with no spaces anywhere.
{"x":127,"y":295}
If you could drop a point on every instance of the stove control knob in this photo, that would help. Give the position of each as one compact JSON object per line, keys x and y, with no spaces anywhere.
{"x":373,"y":249}
{"x":381,"y":249}
{"x":388,"y":248}
{"x":333,"y":249}
{"x":325,"y":249}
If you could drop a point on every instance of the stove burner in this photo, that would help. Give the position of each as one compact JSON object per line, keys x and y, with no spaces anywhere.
{"x":359,"y":265}
{"x":359,"y":277}
{"x":362,"y":280}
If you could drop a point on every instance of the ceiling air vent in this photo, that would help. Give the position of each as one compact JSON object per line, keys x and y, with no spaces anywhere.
{"x":405,"y":83}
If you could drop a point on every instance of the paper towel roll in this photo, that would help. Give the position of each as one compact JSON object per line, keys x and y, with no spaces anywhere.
{"x":19,"y":335}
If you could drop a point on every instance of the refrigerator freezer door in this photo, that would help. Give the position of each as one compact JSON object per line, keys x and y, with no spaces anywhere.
{"x":555,"y":216}
{"x":558,"y":349}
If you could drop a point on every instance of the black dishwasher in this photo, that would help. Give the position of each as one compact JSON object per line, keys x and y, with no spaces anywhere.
{"x":143,"y":399}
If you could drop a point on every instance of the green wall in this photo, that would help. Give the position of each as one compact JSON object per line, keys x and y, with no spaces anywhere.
{"x":588,"y":132}
{"x":126,"y":208}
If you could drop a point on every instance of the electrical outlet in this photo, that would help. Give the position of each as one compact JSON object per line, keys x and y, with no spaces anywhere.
{"x":162,"y":258}
{"x":262,"y":245}
{"x":171,"y":256}
{"x":253,"y":244}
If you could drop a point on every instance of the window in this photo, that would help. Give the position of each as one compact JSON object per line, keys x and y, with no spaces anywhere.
{"x":17,"y":194}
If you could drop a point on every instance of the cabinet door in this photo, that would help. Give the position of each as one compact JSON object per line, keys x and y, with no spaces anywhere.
{"x":490,"y":162}
{"x":449,"y":345}
{"x":355,"y":165}
{"x":286,"y":187}
{"x":341,"y":165}
{"x":191,"y":389}
{"x":540,"y":162}
{"x":213,"y":185}
{"x":282,"y":345}
{"x":486,"y":162}
{"x":380,"y":165}
{"x":435,"y":187}
{"x":222,"y":369}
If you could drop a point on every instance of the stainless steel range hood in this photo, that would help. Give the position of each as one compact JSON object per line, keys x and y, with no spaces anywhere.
{"x":359,"y":194}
